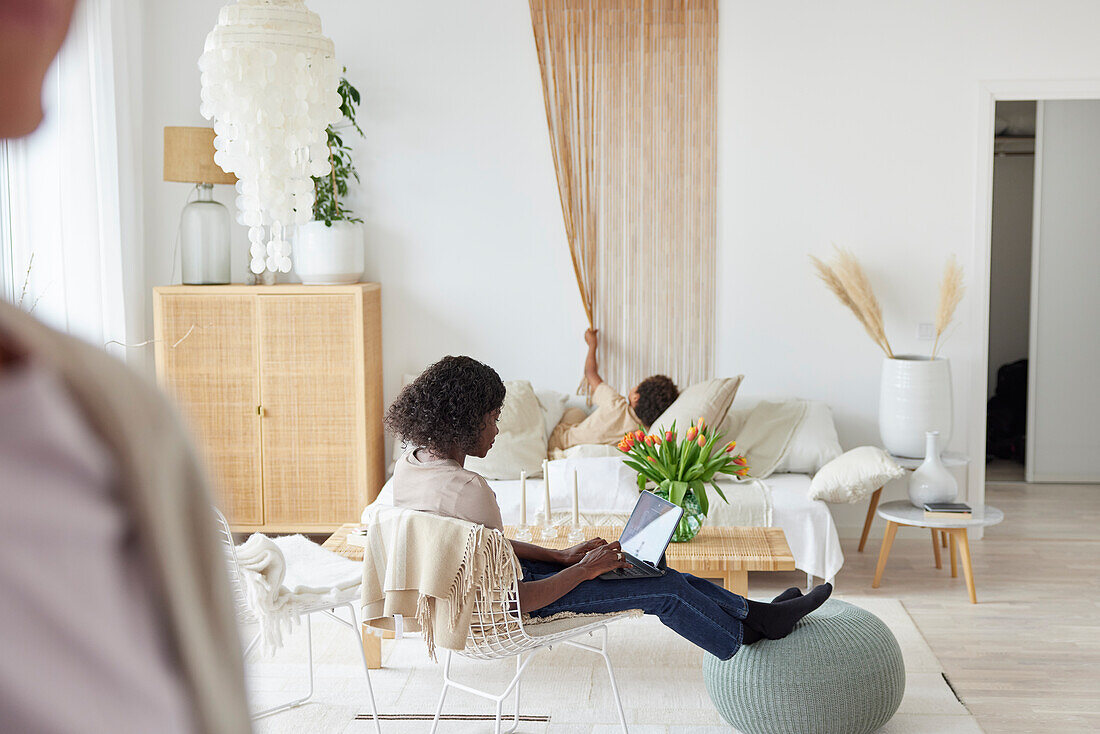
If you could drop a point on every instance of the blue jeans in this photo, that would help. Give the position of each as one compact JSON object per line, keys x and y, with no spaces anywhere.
{"x":695,"y":609}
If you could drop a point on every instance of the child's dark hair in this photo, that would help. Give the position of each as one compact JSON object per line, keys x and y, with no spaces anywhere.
{"x":655,"y":394}
{"x":445,"y":407}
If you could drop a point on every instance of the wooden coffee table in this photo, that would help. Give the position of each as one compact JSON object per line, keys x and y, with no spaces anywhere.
{"x":727,"y":554}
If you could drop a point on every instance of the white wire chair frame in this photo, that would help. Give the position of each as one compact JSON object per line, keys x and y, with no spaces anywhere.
{"x":246,"y":615}
{"x":497,"y":632}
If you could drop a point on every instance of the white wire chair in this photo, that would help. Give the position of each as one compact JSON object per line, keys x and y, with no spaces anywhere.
{"x":245,"y":615}
{"x":497,"y":631}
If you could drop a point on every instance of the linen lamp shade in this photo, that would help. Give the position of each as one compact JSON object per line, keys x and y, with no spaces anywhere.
{"x":189,"y":157}
{"x":204,"y":234}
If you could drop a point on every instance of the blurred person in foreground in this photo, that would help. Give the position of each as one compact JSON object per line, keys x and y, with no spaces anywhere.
{"x":115,"y":611}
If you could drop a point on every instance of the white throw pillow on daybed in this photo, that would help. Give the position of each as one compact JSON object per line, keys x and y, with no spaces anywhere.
{"x":553,"y":408}
{"x":521,"y":443}
{"x":814,"y":444}
{"x":854,"y":475}
{"x":708,"y":400}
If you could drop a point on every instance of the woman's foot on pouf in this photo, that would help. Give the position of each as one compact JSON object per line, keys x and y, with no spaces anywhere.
{"x":777,"y":620}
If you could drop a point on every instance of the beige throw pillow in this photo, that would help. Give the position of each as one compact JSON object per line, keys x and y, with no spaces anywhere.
{"x":854,"y":475}
{"x":709,"y":400}
{"x":521,"y":443}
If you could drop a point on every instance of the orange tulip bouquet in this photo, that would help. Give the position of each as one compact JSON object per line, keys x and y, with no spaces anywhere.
{"x":683,"y":468}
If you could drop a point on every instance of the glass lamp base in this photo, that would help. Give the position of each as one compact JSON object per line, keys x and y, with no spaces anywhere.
{"x":204,"y":240}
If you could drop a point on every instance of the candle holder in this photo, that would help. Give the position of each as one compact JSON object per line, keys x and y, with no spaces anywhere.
{"x":523,"y":533}
{"x":576,"y":535}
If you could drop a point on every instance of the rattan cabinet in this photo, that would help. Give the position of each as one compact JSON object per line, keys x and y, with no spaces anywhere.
{"x":282,"y":387}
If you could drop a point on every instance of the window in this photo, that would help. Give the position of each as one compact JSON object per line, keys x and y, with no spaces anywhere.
{"x":7,"y":284}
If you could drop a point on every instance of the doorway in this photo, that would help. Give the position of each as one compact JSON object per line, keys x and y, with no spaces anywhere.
{"x":1010,"y":289}
{"x":1043,"y":406}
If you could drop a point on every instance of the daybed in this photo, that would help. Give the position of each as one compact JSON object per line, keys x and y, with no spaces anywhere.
{"x":785,"y":443}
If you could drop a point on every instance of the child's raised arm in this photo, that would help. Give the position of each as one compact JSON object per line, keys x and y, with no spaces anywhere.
{"x":591,"y":369}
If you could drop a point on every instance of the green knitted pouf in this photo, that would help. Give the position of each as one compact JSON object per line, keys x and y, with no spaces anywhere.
{"x":839,"y":672}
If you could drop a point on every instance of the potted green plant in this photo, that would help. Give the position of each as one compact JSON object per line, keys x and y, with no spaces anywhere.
{"x":329,"y":249}
{"x":683,"y":468}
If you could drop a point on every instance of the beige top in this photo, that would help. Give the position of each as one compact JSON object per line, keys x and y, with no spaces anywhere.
{"x":162,"y":488}
{"x":68,"y":543}
{"x":443,"y":487}
{"x":612,"y":418}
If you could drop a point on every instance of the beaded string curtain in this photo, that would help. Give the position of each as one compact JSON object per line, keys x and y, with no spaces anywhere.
{"x":630,"y":92}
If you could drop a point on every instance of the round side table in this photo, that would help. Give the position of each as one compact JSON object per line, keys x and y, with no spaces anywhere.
{"x":902,"y":512}
{"x":950,"y":460}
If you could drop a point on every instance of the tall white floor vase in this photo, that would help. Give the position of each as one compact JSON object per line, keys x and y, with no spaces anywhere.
{"x":915,"y":398}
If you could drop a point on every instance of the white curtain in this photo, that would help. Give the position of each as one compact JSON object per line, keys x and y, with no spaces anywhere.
{"x":76,"y":256}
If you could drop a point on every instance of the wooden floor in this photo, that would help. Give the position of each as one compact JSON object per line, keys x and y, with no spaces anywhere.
{"x":1026,"y":658}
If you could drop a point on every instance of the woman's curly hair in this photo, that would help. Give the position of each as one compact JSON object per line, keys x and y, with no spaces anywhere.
{"x":445,"y":407}
{"x":655,"y":394}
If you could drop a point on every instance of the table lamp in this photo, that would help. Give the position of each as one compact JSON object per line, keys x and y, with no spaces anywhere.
{"x":204,"y":224}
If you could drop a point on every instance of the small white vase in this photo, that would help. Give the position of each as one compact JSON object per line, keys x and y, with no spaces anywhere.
{"x":931,"y":481}
{"x":915,"y":397}
{"x":325,"y":255}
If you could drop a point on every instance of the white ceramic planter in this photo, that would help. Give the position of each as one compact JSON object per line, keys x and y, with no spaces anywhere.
{"x":915,"y":398}
{"x":329,"y":255}
{"x":932,"y":481}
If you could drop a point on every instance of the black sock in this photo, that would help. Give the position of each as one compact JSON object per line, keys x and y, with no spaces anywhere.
{"x":777,"y":620}
{"x":792,"y":593}
{"x":749,"y":635}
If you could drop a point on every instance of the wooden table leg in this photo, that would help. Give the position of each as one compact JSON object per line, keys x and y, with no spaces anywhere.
{"x":943,"y":538}
{"x":870,"y":516}
{"x":884,"y":552}
{"x":963,"y":542}
{"x":372,"y":647}
{"x":738,"y":582}
{"x":951,"y":547}
{"x":936,"y":548}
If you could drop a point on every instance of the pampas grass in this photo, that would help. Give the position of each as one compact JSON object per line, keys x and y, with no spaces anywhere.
{"x":849,"y":283}
{"x":845,"y":277}
{"x":951,"y":292}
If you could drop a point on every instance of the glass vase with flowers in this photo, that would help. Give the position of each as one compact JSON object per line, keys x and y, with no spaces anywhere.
{"x":682,"y":468}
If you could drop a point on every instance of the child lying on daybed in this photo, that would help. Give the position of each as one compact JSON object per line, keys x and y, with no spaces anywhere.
{"x":614,"y":414}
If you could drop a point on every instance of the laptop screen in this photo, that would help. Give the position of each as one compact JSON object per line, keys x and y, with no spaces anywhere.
{"x":650,"y":526}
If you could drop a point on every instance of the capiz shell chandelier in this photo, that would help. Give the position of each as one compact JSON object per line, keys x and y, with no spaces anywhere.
{"x":269,"y":83}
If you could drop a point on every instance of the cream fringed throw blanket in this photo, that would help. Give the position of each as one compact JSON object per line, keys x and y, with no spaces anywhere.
{"x":427,"y":568}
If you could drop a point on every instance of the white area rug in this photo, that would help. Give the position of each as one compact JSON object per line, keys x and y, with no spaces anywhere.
{"x":659,"y":675}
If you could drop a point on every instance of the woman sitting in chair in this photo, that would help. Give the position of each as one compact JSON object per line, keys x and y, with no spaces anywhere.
{"x":451,"y":412}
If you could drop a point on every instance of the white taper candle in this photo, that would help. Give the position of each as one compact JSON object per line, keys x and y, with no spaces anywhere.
{"x":546,"y":489}
{"x":576,"y":502}
{"x":523,"y":499}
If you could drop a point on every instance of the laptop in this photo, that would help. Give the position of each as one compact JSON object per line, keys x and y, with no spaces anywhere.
{"x":645,"y":537}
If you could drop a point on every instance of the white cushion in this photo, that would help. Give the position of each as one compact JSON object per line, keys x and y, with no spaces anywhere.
{"x":521,"y":443}
{"x":735,"y":420}
{"x":814,"y":444}
{"x":552,"y":403}
{"x":708,"y":400}
{"x":854,"y":475}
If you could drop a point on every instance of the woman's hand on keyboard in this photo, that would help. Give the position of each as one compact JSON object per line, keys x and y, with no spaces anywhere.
{"x":608,"y":557}
{"x":569,"y":556}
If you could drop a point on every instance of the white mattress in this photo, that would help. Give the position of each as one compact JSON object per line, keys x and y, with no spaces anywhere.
{"x":807,"y":523}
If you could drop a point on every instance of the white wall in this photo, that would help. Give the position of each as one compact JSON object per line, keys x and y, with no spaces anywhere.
{"x":847,"y":122}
